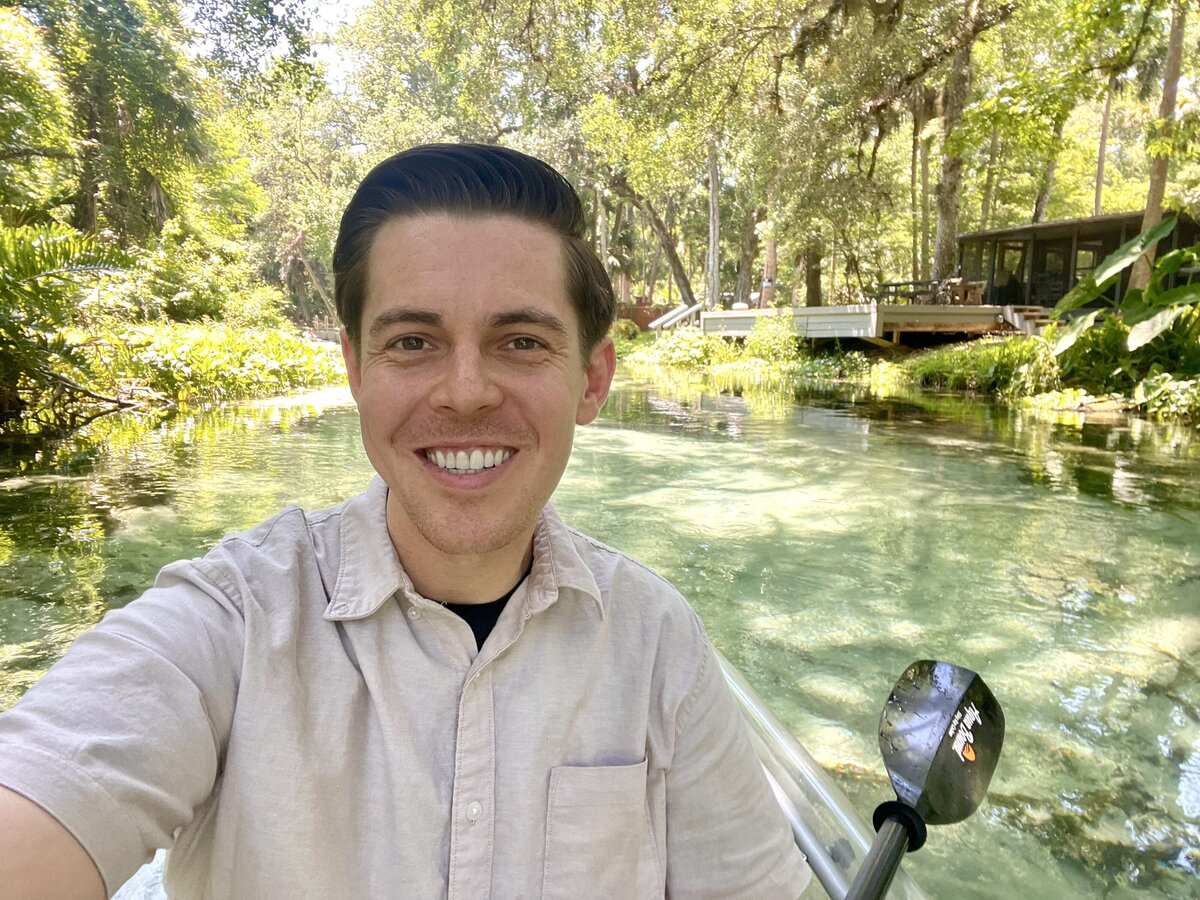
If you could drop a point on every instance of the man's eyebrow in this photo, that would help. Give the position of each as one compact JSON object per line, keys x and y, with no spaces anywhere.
{"x":530,"y":316}
{"x":390,"y":317}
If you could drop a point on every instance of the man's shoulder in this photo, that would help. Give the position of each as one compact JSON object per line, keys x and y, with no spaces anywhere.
{"x":293,"y":541}
{"x":630,"y":587}
{"x":295,"y":528}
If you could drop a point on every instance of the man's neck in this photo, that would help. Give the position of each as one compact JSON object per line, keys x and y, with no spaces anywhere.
{"x":459,"y":578}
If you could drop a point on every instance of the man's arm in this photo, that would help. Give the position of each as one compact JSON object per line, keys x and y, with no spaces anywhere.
{"x":39,"y":858}
{"x":726,"y":835}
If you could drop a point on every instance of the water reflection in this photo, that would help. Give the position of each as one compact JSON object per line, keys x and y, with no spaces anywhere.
{"x":828,"y":545}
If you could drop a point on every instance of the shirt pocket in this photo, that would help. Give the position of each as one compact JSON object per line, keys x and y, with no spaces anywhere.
{"x":598,"y":837}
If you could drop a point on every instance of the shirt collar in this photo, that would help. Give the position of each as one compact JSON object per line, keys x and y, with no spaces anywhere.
{"x":369,"y":572}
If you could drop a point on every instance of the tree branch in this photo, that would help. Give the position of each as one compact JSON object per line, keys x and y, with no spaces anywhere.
{"x":30,"y":152}
{"x":966,"y":33}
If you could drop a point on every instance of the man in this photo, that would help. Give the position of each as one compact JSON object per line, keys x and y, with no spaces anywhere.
{"x":436,"y":688}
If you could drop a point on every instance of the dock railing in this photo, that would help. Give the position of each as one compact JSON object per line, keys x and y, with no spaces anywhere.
{"x":678,"y":316}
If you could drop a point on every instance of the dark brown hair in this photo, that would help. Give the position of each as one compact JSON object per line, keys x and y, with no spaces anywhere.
{"x":470,"y":179}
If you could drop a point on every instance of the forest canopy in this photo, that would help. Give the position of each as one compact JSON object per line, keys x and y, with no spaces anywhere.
{"x":754,"y":150}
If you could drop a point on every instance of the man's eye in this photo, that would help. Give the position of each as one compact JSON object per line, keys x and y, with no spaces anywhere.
{"x":410,"y":342}
{"x":525,"y":343}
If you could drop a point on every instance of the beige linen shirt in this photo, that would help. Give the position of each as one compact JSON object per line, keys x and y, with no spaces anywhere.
{"x":293,"y":720}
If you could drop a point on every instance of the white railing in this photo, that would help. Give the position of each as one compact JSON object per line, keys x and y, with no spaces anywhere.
{"x":677,"y":316}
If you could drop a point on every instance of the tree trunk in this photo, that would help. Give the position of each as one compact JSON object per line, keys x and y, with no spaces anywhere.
{"x":926,"y":148}
{"x":797,"y":279}
{"x":1098,"y":205}
{"x":989,"y":182}
{"x":602,"y":231}
{"x":1047,"y":183}
{"x":833,"y":270}
{"x":770,"y":251}
{"x":747,"y":254}
{"x":958,"y":89}
{"x":665,"y":239}
{"x":812,"y":274}
{"x":1140,"y":276}
{"x":652,"y":278}
{"x":83,"y":204}
{"x":913,"y":209}
{"x":770,"y":271}
{"x":712,"y":262}
{"x":621,"y":287}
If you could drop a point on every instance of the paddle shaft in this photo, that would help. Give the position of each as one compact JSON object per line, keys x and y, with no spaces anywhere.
{"x":878,"y":869}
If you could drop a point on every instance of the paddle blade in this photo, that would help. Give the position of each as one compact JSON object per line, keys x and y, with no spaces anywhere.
{"x":940,"y":734}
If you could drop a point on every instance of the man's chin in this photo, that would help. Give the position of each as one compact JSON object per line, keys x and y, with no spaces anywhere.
{"x":469,"y":536}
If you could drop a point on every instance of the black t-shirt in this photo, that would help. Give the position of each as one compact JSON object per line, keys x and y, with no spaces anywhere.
{"x":482,"y":617}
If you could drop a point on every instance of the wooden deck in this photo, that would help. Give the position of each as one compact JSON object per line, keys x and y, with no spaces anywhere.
{"x":870,"y":321}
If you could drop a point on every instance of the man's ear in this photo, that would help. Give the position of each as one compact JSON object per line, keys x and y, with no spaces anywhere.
{"x":353,"y":372}
{"x":597,"y":380}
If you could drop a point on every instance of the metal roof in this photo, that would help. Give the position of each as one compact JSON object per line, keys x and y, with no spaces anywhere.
{"x":1062,"y":226}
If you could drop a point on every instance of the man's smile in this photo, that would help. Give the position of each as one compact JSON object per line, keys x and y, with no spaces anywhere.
{"x":468,"y":460}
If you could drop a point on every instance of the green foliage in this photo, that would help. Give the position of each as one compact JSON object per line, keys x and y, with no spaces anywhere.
{"x":185,"y":277}
{"x":1152,"y":336}
{"x":1165,"y":397}
{"x":213,"y":362}
{"x":35,"y":144}
{"x":687,"y":347}
{"x":42,"y":274}
{"x":1110,"y":267}
{"x":1009,"y":366}
{"x":773,"y":340}
{"x":626,"y":329}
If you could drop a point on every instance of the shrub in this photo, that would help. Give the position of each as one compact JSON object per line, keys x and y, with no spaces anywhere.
{"x":773,"y":340}
{"x":1013,"y":366}
{"x":1099,"y":360}
{"x":186,"y":278}
{"x":211,"y":361}
{"x":1167,"y":398}
{"x":689,"y":348}
{"x":626,"y":329}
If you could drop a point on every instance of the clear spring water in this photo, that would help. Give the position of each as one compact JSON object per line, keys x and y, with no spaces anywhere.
{"x":826,"y":538}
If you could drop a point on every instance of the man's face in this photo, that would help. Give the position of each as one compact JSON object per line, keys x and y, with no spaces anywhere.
{"x":470,"y":379}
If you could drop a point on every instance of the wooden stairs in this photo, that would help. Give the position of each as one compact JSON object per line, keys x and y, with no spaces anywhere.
{"x":1028,"y":319}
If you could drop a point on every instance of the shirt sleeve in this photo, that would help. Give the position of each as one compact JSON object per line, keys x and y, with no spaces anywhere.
{"x":726,"y":835}
{"x":121,"y":740}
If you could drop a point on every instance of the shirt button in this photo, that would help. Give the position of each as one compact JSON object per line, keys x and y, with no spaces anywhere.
{"x":414,"y":613}
{"x":474,"y":811}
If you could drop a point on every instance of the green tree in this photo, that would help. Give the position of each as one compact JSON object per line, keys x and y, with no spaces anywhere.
{"x":35,"y":136}
{"x":42,"y":273}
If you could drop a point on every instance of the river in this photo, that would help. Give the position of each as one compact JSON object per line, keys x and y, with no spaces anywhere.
{"x":826,"y":537}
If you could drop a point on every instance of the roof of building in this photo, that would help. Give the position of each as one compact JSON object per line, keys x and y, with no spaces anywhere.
{"x":1061,"y":228}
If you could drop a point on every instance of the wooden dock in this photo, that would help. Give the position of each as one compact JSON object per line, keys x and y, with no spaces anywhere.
{"x":878,"y":323}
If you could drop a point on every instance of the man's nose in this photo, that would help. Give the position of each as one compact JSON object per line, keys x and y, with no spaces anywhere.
{"x":467,"y":384}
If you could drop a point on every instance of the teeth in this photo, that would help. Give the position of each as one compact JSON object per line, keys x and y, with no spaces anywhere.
{"x":475,"y":460}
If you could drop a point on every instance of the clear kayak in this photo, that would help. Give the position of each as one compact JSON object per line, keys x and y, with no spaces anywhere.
{"x":827,"y":829}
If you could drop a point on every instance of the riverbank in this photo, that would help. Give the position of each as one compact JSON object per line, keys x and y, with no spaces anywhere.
{"x":1092,"y":372}
{"x":148,"y":365}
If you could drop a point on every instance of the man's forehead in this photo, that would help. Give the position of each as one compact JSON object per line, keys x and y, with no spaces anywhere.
{"x":521,"y":255}
{"x":496,"y":270}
